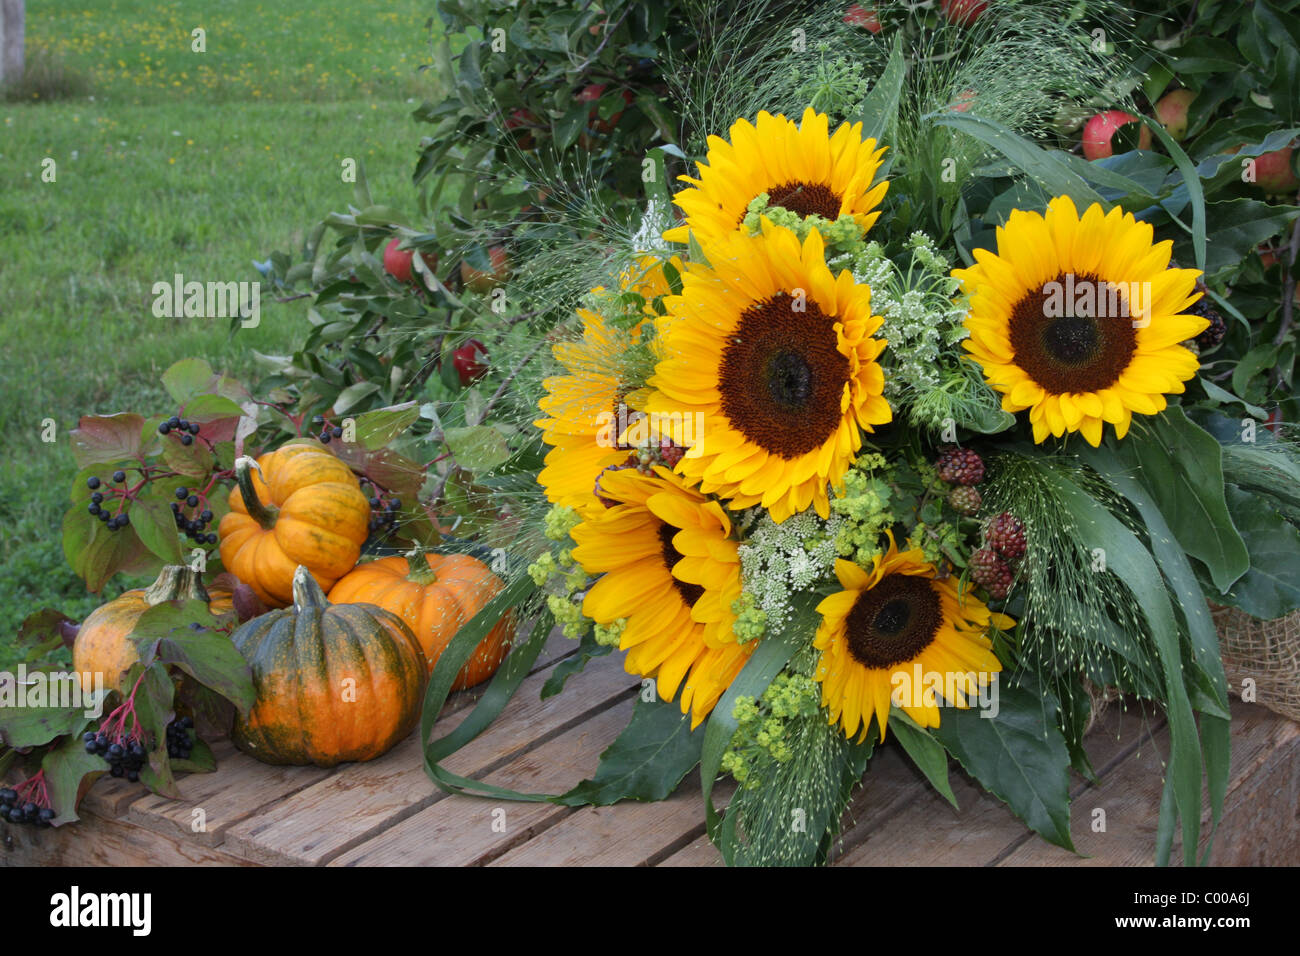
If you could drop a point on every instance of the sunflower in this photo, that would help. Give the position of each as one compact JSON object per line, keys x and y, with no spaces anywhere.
{"x":587,"y":407}
{"x":1079,"y":319}
{"x":670,"y":568}
{"x":885,"y":623}
{"x":801,"y":168}
{"x":769,"y":371}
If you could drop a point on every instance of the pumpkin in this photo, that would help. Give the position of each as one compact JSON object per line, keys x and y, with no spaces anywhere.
{"x":333,"y":682}
{"x":299,"y":506}
{"x":103,"y":642}
{"x":436,"y":595}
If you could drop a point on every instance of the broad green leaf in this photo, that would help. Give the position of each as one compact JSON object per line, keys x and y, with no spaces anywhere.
{"x":379,"y":426}
{"x":95,"y":554}
{"x":1271,"y":587}
{"x":1193,"y":184}
{"x":1182,"y":465}
{"x":206,"y":655}
{"x":187,"y":378}
{"x":478,"y":448}
{"x":154,"y":522}
{"x":28,"y":726}
{"x":154,"y":711}
{"x":66,"y":768}
{"x":1019,"y":756}
{"x":646,"y":762}
{"x":352,"y":395}
{"x":209,"y":407}
{"x":926,"y":752}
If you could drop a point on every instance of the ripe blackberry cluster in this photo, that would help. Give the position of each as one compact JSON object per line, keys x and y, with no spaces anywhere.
{"x":96,"y":507}
{"x":125,"y":756}
{"x":960,"y":466}
{"x":1005,"y":534}
{"x":19,"y":810}
{"x":196,"y":523}
{"x":328,"y":431}
{"x":1213,"y":335}
{"x":992,"y":573}
{"x":180,"y":742}
{"x":185,"y":430}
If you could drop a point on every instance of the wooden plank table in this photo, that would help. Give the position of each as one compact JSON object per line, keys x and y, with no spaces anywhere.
{"x":388,"y":812}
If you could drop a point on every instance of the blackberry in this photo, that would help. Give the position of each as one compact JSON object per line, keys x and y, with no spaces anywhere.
{"x":1213,"y":335}
{"x":960,"y":466}
{"x":1006,"y":535}
{"x":965,"y":500}
{"x":990,"y":572}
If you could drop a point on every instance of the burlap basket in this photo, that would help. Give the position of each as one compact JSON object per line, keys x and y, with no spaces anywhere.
{"x":1266,"y":652}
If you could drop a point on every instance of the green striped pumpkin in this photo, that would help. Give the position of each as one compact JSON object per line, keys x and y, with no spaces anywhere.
{"x":334,"y":682}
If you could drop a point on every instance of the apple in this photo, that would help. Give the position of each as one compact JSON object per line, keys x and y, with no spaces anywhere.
{"x":865,"y":17}
{"x":1097,"y":133}
{"x":484,"y":282}
{"x":963,"y":13}
{"x":1275,"y":172}
{"x":962,"y":102}
{"x":397,"y":262}
{"x":470,"y":361}
{"x":1171,"y":111}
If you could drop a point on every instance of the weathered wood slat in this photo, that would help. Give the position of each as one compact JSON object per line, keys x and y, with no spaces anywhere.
{"x":359,"y":801}
{"x":96,"y":842}
{"x":469,"y":831}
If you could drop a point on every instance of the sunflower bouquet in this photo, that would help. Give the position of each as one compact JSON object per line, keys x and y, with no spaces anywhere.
{"x":823,"y":489}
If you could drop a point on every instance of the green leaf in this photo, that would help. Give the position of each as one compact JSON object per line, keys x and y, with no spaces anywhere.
{"x":1271,"y":587}
{"x":352,"y":395}
{"x":1019,"y":756}
{"x":210,"y":408}
{"x":646,"y":762}
{"x":1181,"y":465}
{"x":379,"y":426}
{"x":201,"y":759}
{"x":154,"y":522}
{"x":1225,"y":397}
{"x":154,"y":711}
{"x":206,"y":655}
{"x":1193,"y":183}
{"x":1237,"y":226}
{"x":66,"y":768}
{"x":478,"y":448}
{"x":187,"y":378}
{"x":107,"y":439}
{"x":880,"y":108}
{"x":27,"y":726}
{"x":95,"y":554}
{"x":1044,"y":167}
{"x":926,"y":752}
{"x":567,"y":127}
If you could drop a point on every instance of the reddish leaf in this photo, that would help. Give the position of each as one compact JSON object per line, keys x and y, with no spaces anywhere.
{"x":107,"y":439}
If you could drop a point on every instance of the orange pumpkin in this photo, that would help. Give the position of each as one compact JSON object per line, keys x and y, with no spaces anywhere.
{"x":103,"y":642}
{"x":436,"y":595}
{"x":334,"y":682}
{"x":299,"y":506}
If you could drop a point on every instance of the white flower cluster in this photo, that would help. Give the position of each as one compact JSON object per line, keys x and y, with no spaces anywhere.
{"x":780,"y":560}
{"x":920,"y":315}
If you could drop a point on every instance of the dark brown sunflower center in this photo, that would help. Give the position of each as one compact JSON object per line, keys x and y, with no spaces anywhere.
{"x":782,"y":376}
{"x":894,"y":621}
{"x":805,"y":199}
{"x":690,"y":593}
{"x":1075,"y":334}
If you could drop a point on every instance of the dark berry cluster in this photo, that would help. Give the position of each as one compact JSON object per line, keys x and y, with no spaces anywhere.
{"x":960,"y":466}
{"x":328,"y":430}
{"x":104,"y":512}
{"x":989,"y":571}
{"x":125,"y":755}
{"x":1005,"y":534}
{"x":180,"y":741}
{"x":195,"y":524}
{"x":1213,"y":335}
{"x":383,"y":509}
{"x":185,"y":430}
{"x":22,"y":809}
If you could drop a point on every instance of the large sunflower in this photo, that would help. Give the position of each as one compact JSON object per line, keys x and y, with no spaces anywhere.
{"x":586,"y":406}
{"x":670,"y":568}
{"x":768,"y":360}
{"x":801,"y":168}
{"x":1079,"y":320}
{"x":884,"y":623}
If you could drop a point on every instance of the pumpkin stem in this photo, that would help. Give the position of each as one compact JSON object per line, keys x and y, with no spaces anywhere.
{"x":418,"y":570}
{"x":306,"y":592}
{"x":263,"y":514}
{"x":176,"y":582}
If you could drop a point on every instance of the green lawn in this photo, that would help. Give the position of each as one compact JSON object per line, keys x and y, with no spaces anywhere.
{"x":174,"y":162}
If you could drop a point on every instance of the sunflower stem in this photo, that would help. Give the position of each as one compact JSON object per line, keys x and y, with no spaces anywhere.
{"x":263,"y":514}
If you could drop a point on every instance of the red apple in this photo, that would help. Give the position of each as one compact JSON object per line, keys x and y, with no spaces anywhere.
{"x":397,"y":262}
{"x":484,"y":282}
{"x":1097,"y":133}
{"x":1171,"y":111}
{"x":470,"y":361}
{"x":1275,"y":172}
{"x":865,"y":17}
{"x":963,"y":12}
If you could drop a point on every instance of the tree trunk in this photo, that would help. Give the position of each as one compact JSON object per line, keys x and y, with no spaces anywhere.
{"x":11,"y":40}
